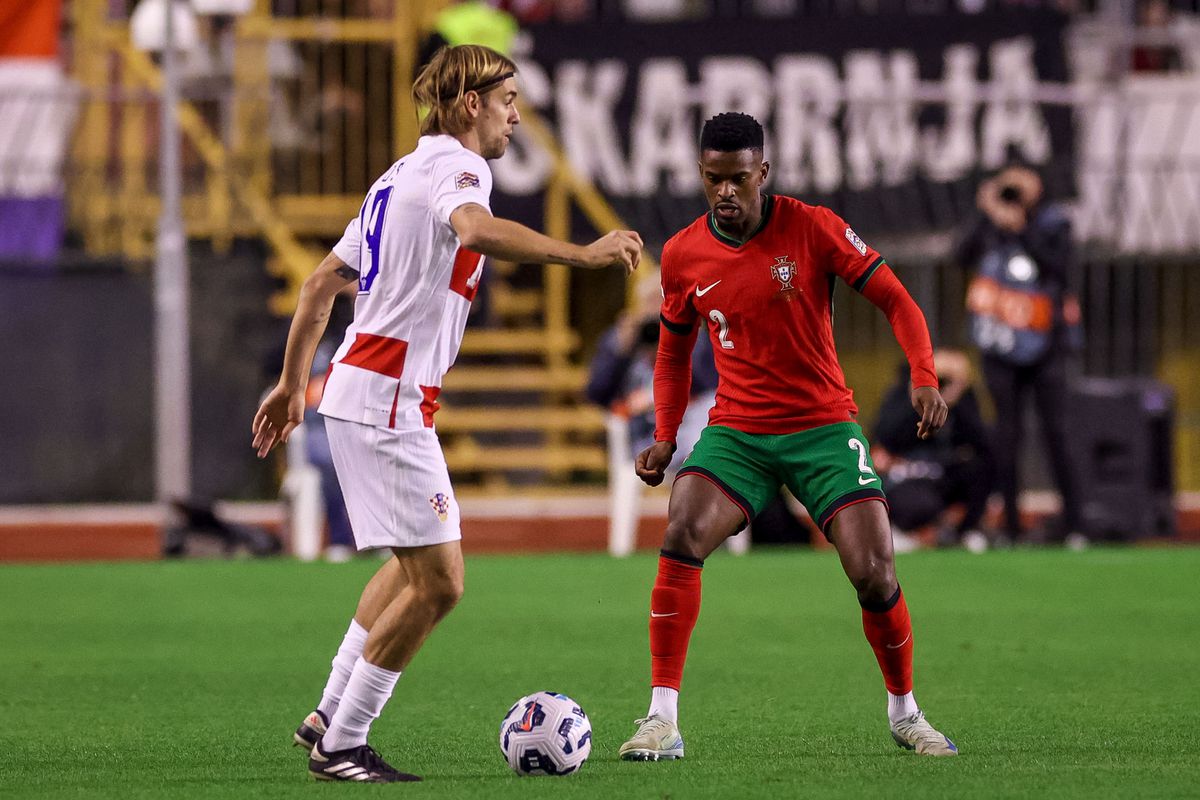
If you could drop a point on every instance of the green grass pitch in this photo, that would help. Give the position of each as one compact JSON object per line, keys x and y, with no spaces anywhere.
{"x":1058,"y":674}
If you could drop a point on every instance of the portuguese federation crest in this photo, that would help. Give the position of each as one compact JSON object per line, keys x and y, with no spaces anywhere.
{"x":784,"y":271}
{"x":441,"y":506}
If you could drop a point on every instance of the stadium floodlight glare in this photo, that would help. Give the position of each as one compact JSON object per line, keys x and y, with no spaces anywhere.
{"x":148,"y":26}
{"x":229,"y":8}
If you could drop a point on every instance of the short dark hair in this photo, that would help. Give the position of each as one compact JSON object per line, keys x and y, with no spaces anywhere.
{"x":730,"y":132}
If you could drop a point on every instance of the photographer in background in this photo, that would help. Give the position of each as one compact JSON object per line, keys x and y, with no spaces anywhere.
{"x":924,"y":478}
{"x":1024,"y":322}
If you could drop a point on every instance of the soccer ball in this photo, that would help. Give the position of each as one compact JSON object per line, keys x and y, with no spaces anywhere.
{"x":545,"y":733}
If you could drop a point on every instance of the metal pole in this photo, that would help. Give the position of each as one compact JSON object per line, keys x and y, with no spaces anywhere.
{"x":172,"y":374}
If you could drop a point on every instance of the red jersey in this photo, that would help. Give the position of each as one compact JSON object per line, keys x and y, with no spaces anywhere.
{"x":768,"y":306}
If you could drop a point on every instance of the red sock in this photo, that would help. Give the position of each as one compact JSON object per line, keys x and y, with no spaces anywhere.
{"x":674,"y":607}
{"x":890,"y":634}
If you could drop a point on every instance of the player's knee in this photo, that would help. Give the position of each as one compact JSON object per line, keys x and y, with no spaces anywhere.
{"x":452,"y":592}
{"x":443,"y":593}
{"x":876,"y":583}
{"x":686,"y":537}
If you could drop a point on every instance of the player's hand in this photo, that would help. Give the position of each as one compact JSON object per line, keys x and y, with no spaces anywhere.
{"x":929,"y":405}
{"x":652,"y":463}
{"x":618,"y":247}
{"x":277,"y":417}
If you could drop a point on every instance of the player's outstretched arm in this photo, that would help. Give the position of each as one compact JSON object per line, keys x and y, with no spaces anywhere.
{"x":478,"y":230}
{"x":283,"y":409}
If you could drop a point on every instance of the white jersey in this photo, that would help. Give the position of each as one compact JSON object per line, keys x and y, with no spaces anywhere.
{"x":416,"y":283}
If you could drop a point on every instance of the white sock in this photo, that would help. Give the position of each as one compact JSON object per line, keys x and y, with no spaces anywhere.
{"x":343,"y":664}
{"x":664,"y":703}
{"x":366,"y":693}
{"x":901,"y":706}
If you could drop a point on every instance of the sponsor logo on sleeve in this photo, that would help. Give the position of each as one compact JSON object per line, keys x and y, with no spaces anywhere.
{"x":469,"y":180}
{"x":858,"y":243}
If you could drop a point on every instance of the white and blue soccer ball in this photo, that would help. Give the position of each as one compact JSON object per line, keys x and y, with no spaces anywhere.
{"x":546,"y":733}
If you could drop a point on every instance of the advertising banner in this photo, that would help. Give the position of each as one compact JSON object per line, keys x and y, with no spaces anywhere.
{"x":888,"y":120}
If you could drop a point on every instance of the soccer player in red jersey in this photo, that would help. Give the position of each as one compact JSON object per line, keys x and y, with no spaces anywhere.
{"x":758,"y":272}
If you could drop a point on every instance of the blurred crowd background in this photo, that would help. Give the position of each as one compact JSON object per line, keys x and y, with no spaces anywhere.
{"x":892,"y":112}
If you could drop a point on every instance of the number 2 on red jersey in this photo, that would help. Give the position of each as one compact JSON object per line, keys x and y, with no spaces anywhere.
{"x":722,"y":328}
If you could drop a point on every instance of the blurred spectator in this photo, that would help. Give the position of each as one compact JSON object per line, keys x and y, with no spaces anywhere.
{"x":924,"y":478}
{"x":340,"y":543}
{"x":665,"y":10}
{"x":1024,"y":322}
{"x":340,"y":546}
{"x":574,"y":10}
{"x":197,"y":528}
{"x":530,"y":12}
{"x":469,"y":22}
{"x":1156,"y":50}
{"x":301,"y":119}
{"x":622,"y":373}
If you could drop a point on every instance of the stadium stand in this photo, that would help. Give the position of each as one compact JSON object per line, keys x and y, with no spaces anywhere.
{"x":291,"y":109}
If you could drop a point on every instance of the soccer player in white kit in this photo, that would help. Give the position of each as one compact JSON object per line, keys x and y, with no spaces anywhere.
{"x":416,"y":251}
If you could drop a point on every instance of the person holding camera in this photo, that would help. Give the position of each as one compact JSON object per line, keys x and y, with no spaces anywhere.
{"x":1023,"y":320}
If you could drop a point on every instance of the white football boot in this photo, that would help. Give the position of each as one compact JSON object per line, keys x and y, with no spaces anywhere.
{"x":915,"y":733}
{"x":657,"y":739}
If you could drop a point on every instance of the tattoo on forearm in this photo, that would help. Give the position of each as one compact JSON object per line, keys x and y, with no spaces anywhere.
{"x":347,"y":272}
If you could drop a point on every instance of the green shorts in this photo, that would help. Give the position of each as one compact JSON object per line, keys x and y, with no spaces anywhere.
{"x":826,"y":468}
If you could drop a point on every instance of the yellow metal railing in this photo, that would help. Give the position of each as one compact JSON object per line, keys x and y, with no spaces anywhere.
{"x":234,"y":187}
{"x":129,"y":132}
{"x":116,"y":138}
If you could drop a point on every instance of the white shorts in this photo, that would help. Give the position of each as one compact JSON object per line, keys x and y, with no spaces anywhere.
{"x":395,"y":483}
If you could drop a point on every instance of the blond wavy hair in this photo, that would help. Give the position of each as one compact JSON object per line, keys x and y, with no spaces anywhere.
{"x":452,"y":72}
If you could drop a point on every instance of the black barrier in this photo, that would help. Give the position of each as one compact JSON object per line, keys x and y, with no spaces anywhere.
{"x":1121,"y":437}
{"x":76,"y":397}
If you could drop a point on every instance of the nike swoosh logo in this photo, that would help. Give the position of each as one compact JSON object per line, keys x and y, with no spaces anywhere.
{"x":898,"y":646}
{"x":701,"y":292}
{"x":864,"y":481}
{"x":656,"y":614}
